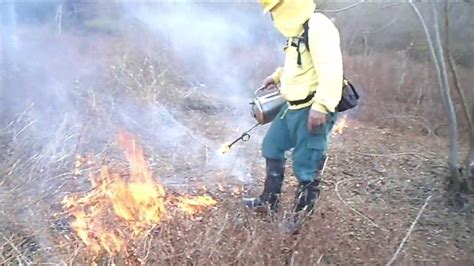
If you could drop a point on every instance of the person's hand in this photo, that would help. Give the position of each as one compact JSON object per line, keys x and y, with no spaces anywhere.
{"x":315,"y":119}
{"x":268,"y":82}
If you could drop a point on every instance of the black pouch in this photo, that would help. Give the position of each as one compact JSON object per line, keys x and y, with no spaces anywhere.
{"x":349,"y":99}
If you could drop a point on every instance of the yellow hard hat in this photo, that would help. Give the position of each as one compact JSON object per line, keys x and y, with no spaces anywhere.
{"x":289,"y":15}
{"x":269,"y":4}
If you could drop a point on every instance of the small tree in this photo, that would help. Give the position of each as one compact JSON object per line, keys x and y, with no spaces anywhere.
{"x":460,"y":178}
{"x":469,"y":168}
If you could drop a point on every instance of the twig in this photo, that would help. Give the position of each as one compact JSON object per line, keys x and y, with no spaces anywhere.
{"x":292,"y":259}
{"x":74,"y":254}
{"x":147,"y":244}
{"x":348,"y":206}
{"x":392,"y":5}
{"x":345,"y":8}
{"x":20,"y":117}
{"x":13,"y":167}
{"x":24,"y":128}
{"x":80,"y":135}
{"x":394,"y":257}
{"x":388,"y":154}
{"x":320,"y":259}
{"x":436,"y":127}
{"x":12,"y":245}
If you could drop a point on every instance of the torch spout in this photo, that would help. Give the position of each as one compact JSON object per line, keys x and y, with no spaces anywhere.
{"x":244,"y":137}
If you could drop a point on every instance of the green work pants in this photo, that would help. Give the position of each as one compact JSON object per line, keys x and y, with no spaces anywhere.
{"x":289,"y":130}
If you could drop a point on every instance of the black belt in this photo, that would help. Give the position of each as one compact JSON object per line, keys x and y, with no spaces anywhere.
{"x":305,"y":100}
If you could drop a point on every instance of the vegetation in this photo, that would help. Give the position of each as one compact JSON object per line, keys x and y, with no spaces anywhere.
{"x":178,"y":77}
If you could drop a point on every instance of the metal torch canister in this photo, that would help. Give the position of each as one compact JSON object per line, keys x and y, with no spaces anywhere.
{"x":265,"y":106}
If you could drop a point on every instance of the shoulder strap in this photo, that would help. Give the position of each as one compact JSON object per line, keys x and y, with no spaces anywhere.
{"x":302,"y":39}
{"x":305,"y":35}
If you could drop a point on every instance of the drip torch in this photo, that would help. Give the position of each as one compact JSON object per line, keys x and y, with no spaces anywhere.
{"x":264,"y":107}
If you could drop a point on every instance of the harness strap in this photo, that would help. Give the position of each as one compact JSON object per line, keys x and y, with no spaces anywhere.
{"x":305,"y":100}
{"x":297,"y":45}
{"x":304,"y":39}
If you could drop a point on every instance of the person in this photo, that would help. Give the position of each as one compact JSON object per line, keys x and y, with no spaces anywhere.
{"x":311,"y":82}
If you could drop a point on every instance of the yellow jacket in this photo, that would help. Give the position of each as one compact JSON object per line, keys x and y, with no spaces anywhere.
{"x":321,"y":69}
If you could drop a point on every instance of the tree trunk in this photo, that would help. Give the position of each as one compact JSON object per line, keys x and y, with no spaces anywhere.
{"x":59,"y":18}
{"x":452,"y":69}
{"x":437,"y":55}
{"x":454,"y":165}
{"x":470,"y":158}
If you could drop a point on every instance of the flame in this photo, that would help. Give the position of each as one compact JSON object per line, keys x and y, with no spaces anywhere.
{"x":340,"y":125}
{"x":120,"y":207}
{"x":193,"y":205}
{"x":225,"y":148}
{"x":78,"y":163}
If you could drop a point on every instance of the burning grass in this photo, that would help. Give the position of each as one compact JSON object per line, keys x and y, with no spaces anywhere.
{"x":340,"y":125}
{"x":122,"y":206}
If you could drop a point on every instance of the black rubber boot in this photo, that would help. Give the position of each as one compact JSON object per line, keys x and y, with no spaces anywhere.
{"x":275,"y":171}
{"x":306,"y":197}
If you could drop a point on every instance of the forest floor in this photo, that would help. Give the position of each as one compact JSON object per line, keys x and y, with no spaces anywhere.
{"x":376,"y":182}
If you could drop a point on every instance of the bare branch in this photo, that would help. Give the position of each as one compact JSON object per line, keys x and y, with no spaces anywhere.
{"x":463,"y":53}
{"x":395,"y":19}
{"x":392,"y":5}
{"x":394,"y":257}
{"x":345,"y":8}
{"x":452,"y":67}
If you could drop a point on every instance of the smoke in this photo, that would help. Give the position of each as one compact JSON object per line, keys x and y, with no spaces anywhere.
{"x":73,"y":75}
{"x":221,"y":45}
{"x":224,"y":48}
{"x":62,"y":78}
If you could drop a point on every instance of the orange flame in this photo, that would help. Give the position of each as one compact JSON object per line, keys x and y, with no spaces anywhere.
{"x":193,"y":205}
{"x":78,"y":163}
{"x":340,"y":125}
{"x":120,"y":207}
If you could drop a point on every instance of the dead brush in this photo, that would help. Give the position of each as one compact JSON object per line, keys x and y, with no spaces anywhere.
{"x":405,"y":92}
{"x":218,"y":236}
{"x":145,"y":78}
{"x":33,"y":177}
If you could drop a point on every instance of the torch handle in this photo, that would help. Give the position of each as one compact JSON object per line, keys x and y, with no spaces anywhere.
{"x":244,"y":137}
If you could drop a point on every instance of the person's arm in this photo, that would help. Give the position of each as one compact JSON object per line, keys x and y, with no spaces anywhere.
{"x":324,"y":44}
{"x":277,"y":75}
{"x":274,"y":78}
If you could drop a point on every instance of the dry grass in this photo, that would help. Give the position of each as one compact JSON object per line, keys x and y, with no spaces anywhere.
{"x":372,"y":189}
{"x":400,"y":92}
{"x":377,"y":181}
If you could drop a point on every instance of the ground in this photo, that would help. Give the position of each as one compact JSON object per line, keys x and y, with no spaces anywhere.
{"x":377,"y":180}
